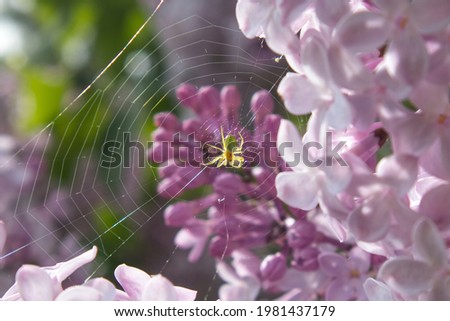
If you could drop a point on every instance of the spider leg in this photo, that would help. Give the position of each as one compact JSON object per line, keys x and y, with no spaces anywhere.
{"x":223,"y":137}
{"x":242,"y":141}
{"x":215,"y":160}
{"x":240,"y":161}
{"x":215,"y":147}
{"x":222,"y":163}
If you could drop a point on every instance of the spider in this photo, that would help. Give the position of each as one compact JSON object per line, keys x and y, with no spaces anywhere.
{"x":230,"y":153}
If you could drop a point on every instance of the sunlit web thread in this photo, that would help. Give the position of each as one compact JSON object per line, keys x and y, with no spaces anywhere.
{"x":65,"y":226}
{"x":222,"y":257}
{"x":139,"y":227}
{"x":151,"y":99}
{"x":132,"y":39}
{"x":49,"y":125}
{"x":98,"y":92}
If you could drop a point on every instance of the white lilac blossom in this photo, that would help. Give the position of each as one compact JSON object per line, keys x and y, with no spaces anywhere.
{"x":367,"y":72}
{"x":45,"y":283}
{"x":425,"y":275}
{"x":140,"y":286}
{"x":34,"y":283}
{"x":347,"y":275}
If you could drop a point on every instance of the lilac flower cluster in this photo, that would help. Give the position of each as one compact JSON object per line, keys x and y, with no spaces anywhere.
{"x":239,"y":211}
{"x":362,"y":67}
{"x":241,"y":217}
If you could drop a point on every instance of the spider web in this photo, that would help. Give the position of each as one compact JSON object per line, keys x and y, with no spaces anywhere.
{"x":119,"y":209}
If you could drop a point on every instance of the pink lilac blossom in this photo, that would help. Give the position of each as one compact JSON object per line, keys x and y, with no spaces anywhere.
{"x":45,"y":284}
{"x":241,"y":211}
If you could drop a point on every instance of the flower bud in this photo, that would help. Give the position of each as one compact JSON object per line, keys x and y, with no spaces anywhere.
{"x":160,"y":152}
{"x":230,"y":100}
{"x":169,"y":188}
{"x":177,"y":214}
{"x":273,"y":267}
{"x":167,"y":121}
{"x":228,"y":184}
{"x":307,"y":258}
{"x":301,"y":234}
{"x":167,"y":169}
{"x":261,"y":105}
{"x":187,"y":95}
{"x":209,"y":101}
{"x":162,"y":135}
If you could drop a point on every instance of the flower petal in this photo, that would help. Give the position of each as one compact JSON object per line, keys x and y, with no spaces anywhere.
{"x":298,"y":189}
{"x":79,"y":293}
{"x":440,"y":290}
{"x":300,"y":96}
{"x":406,"y":276}
{"x":333,"y":264}
{"x":430,"y":15}
{"x":290,"y":11}
{"x":104,"y":287}
{"x":398,"y":171}
{"x":407,"y":57}
{"x":429,"y":245}
{"x":194,"y":236}
{"x":279,"y":37}
{"x":339,"y":290}
{"x":35,"y":284}
{"x":437,"y":166}
{"x":158,"y":288}
{"x":370,"y":221}
{"x":339,"y":114}
{"x":132,"y":280}
{"x":184,"y":294}
{"x":347,"y":70}
{"x":435,"y":204}
{"x":337,"y":175}
{"x":289,"y":143}
{"x":315,"y":60}
{"x":362,"y":31}
{"x":390,"y":6}
{"x":252,"y":16}
{"x":331,"y":11}
{"x":411,"y":133}
{"x":63,"y":270}
{"x":247,"y":291}
{"x":377,"y":291}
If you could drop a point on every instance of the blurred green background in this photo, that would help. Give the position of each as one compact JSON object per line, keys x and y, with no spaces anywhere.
{"x":50,"y":51}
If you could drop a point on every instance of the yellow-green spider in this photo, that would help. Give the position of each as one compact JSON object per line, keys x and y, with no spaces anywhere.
{"x":230,"y":152}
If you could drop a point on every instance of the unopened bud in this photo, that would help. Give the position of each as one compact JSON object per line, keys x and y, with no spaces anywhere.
{"x":177,"y":214}
{"x":187,"y":95}
{"x":273,"y":267}
{"x":262,"y":104}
